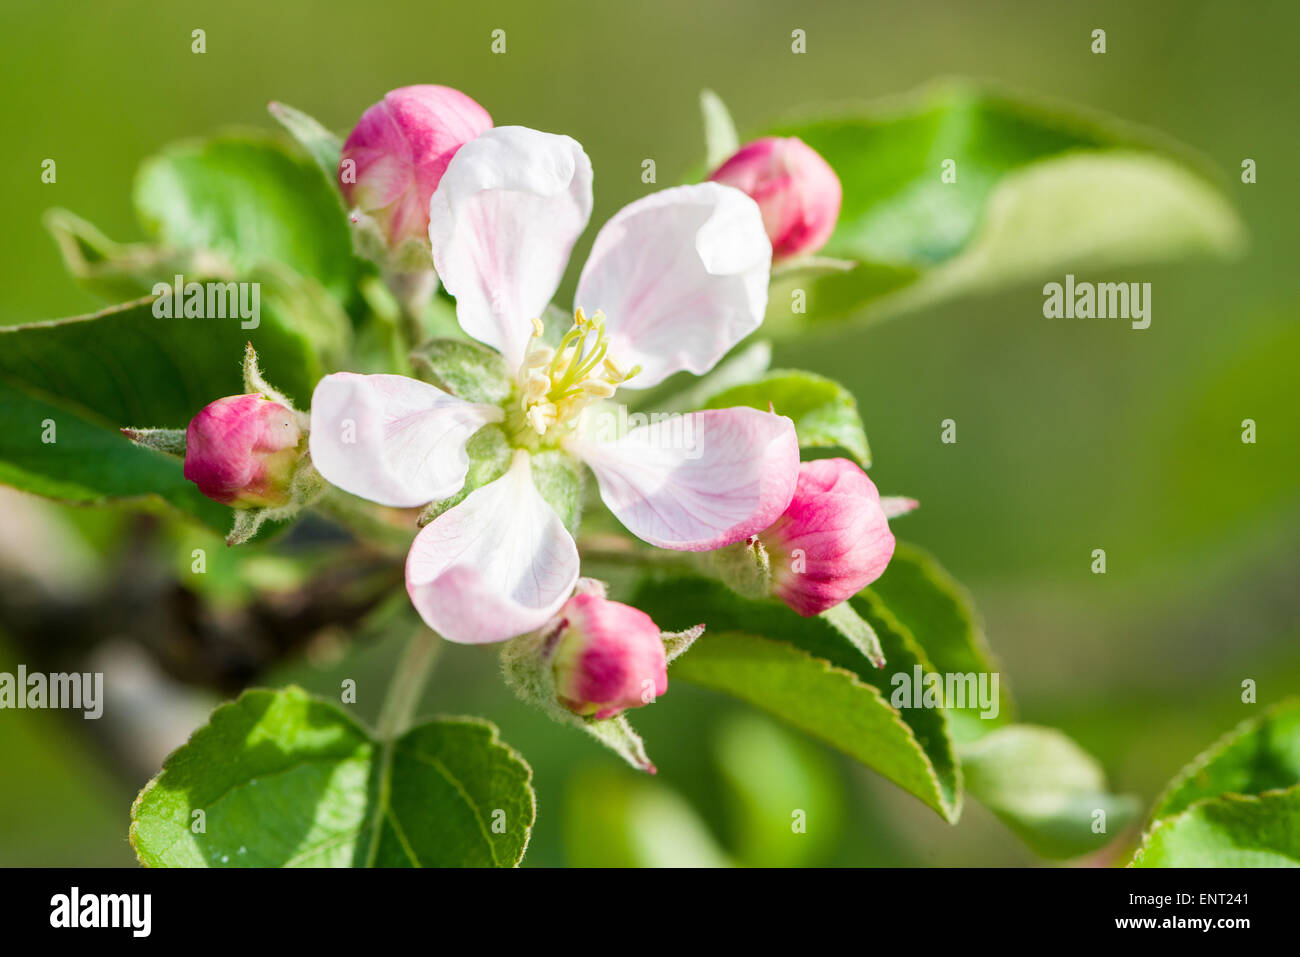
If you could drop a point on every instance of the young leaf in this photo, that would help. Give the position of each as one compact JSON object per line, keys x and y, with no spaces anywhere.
{"x":281,"y":779}
{"x":807,"y":672}
{"x":1046,"y":789}
{"x":321,"y":145}
{"x":251,"y":201}
{"x":1260,"y":754}
{"x":963,"y":188}
{"x":720,"y":139}
{"x":1232,"y":830}
{"x":825,"y":413}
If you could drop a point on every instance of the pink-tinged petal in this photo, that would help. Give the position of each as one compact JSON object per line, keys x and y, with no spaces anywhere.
{"x":681,"y":276}
{"x":392,"y":440}
{"x":700,"y":481}
{"x":502,"y":223}
{"x":499,"y":564}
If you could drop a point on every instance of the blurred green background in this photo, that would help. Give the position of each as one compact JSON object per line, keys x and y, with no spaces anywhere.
{"x":1072,"y":436}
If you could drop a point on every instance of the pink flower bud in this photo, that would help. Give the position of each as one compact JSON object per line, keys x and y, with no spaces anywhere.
{"x":608,"y":657}
{"x":241,"y":451}
{"x":393,"y":159}
{"x":833,"y":540}
{"x":796,"y":190}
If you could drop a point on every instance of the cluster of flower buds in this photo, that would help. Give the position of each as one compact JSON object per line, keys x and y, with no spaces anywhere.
{"x":796,"y":190}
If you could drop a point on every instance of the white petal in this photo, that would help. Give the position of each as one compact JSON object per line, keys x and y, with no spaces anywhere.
{"x":502,"y":223}
{"x":681,"y":276}
{"x":495,"y":566}
{"x":392,"y":440}
{"x":700,"y":481}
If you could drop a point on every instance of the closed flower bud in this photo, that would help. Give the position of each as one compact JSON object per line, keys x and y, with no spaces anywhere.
{"x":796,"y":190}
{"x":608,"y":657}
{"x":392,"y":161}
{"x":832,"y":541}
{"x":242,"y":451}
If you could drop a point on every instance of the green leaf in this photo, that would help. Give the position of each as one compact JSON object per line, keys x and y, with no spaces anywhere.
{"x":941,"y":616}
{"x":321,"y":145}
{"x":1046,"y":789}
{"x":1233,"y":830}
{"x":805,"y":671}
{"x":1037,"y":188}
{"x":94,"y":375}
{"x":283,"y":779}
{"x":720,"y":139}
{"x":132,"y":368}
{"x":1260,"y":754}
{"x":249,"y":201}
{"x":825,"y":413}
{"x":89,"y":462}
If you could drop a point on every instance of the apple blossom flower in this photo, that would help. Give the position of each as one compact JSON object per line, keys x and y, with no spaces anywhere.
{"x":797,"y":191}
{"x":674,"y":280}
{"x":833,"y":540}
{"x":393,"y":159}
{"x":607,"y":657}
{"x":242,"y":451}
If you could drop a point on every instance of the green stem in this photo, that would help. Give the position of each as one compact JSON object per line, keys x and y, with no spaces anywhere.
{"x":407,"y":686}
{"x":412,"y":290}
{"x":364,"y":520}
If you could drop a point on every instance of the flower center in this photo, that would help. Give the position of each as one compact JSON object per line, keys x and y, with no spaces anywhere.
{"x":556,"y":384}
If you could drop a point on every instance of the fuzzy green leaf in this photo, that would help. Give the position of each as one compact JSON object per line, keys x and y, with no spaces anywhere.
{"x":283,"y":780}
